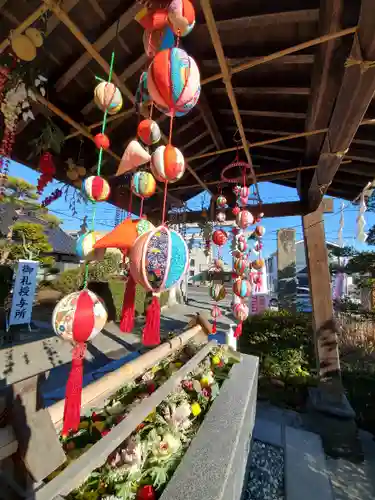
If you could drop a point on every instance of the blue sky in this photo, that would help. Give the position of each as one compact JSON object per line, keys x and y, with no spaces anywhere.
{"x":105,"y":213}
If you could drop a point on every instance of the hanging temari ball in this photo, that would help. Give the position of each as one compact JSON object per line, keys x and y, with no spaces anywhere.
{"x":96,"y":188}
{"x":143,"y":184}
{"x":181,"y":16}
{"x":240,"y":311}
{"x":142,"y":97}
{"x":156,"y":40}
{"x":158,"y":259}
{"x":74,"y":309}
{"x":108,"y":96}
{"x":241,"y":265}
{"x":174,"y":82}
{"x":244,"y":219}
{"x":219,"y":237}
{"x":218,"y":292}
{"x":149,"y":132}
{"x":257,"y":264}
{"x":221,"y":201}
{"x":259,"y":231}
{"x":220,"y":216}
{"x":85,"y":246}
{"x":242,"y":287}
{"x":167,"y":164}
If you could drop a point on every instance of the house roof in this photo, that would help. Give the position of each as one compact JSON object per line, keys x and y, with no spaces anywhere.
{"x":61,"y":242}
{"x":294,"y":67}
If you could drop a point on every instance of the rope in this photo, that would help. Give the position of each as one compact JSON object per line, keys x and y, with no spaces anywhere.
{"x":364,"y":65}
{"x":100,"y":161}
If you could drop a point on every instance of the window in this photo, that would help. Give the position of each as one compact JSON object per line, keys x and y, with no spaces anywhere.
{"x":192,"y":262}
{"x":191,"y":273}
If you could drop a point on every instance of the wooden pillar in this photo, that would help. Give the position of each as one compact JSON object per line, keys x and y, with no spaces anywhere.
{"x":286,"y":269}
{"x":325,"y":332}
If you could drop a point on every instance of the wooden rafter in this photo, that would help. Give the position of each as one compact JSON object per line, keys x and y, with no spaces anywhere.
{"x":207,"y":116}
{"x":266,"y":114}
{"x":327,"y":74}
{"x":54,"y":6}
{"x":265,"y":90}
{"x":215,"y":37}
{"x":102,"y":42}
{"x":356,"y":92}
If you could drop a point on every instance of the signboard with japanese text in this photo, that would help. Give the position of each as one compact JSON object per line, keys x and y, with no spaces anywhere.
{"x":259,"y":303}
{"x":23,"y":293}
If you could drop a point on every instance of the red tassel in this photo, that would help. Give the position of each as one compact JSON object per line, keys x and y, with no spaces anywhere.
{"x":72,"y":408}
{"x":151,"y":331}
{"x":238,"y":330}
{"x":128,"y":307}
{"x":214,"y":326}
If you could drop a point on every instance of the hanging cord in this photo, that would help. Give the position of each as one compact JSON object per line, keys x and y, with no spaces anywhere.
{"x":130,"y":204}
{"x":141,"y":209}
{"x":100,"y":160}
{"x":165,"y":202}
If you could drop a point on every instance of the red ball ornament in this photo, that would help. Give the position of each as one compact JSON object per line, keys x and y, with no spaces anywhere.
{"x":236,"y":210}
{"x":219,"y":237}
{"x":101,"y":141}
{"x":147,"y":492}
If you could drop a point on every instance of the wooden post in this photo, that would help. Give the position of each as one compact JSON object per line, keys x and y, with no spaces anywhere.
{"x":286,"y":269}
{"x":330,"y":395}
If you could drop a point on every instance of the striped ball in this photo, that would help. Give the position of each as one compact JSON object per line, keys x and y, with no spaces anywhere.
{"x":96,"y":188}
{"x":142,"y":97}
{"x":217,"y":292}
{"x":149,"y":132}
{"x":108,"y":97}
{"x":143,"y":184}
{"x":241,"y":245}
{"x":85,"y":246}
{"x":244,"y":219}
{"x":167,"y":164}
{"x":242,"y":287}
{"x":156,"y":40}
{"x":159,"y":259}
{"x":259,"y":231}
{"x":173,"y":82}
{"x":240,"y":311}
{"x":241,"y":265}
{"x":220,"y":216}
{"x":219,"y":237}
{"x":181,"y":16}
{"x":221,"y":201}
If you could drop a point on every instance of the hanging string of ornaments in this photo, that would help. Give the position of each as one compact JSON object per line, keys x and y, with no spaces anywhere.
{"x":157,"y":256}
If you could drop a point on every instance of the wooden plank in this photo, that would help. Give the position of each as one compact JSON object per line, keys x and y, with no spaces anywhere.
{"x":208,"y":118}
{"x":266,"y":114}
{"x":8,"y":442}
{"x":123,"y":21}
{"x":356,"y":93}
{"x":53,"y":21}
{"x":265,"y":20}
{"x":325,"y":333}
{"x":232,"y":61}
{"x":264,"y":90}
{"x":286,"y":269}
{"x":78,"y":471}
{"x":196,"y":139}
{"x":96,"y":7}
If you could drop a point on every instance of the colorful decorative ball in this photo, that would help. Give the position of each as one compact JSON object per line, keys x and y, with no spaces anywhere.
{"x":143,"y":184}
{"x":96,"y":188}
{"x":149,"y":132}
{"x":215,"y":313}
{"x":244,"y":219}
{"x":217,"y":292}
{"x":85,"y":246}
{"x":242,"y":287}
{"x":221,"y":201}
{"x":241,"y":265}
{"x":167,"y":164}
{"x":156,"y":40}
{"x":159,"y":259}
{"x":142,"y":97}
{"x":236,"y":210}
{"x":240,"y":311}
{"x":241,"y":245}
{"x":75,"y":308}
{"x":181,"y":16}
{"x":257,"y":264}
{"x":260,"y":231}
{"x":220,"y":216}
{"x":108,"y":97}
{"x":173,"y":82}
{"x":101,"y":141}
{"x":219,"y":237}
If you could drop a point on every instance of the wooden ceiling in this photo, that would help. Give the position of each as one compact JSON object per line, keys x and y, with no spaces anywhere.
{"x":318,"y":85}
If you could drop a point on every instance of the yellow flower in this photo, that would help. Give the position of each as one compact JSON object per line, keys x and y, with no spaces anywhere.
{"x":216,"y":360}
{"x":195,"y":409}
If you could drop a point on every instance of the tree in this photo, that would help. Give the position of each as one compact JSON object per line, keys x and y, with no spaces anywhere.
{"x":30,"y":242}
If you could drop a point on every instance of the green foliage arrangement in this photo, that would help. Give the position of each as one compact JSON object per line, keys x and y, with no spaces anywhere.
{"x":30,"y":242}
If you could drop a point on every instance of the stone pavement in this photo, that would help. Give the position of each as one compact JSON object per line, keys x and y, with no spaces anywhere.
{"x":41,"y":351}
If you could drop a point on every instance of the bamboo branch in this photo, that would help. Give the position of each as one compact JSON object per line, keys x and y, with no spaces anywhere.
{"x":281,"y":53}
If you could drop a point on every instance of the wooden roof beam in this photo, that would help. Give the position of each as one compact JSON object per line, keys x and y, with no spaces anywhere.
{"x":266,"y":114}
{"x":55,"y":7}
{"x":233,"y":61}
{"x":356,"y":92}
{"x":215,"y":37}
{"x":265,"y":90}
{"x":325,"y":85}
{"x":209,"y":120}
{"x":126,"y":18}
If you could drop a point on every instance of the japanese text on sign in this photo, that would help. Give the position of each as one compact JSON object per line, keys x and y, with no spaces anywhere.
{"x":23,"y":292}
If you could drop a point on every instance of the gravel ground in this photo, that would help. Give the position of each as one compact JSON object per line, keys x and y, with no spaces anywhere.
{"x":266,"y":478}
